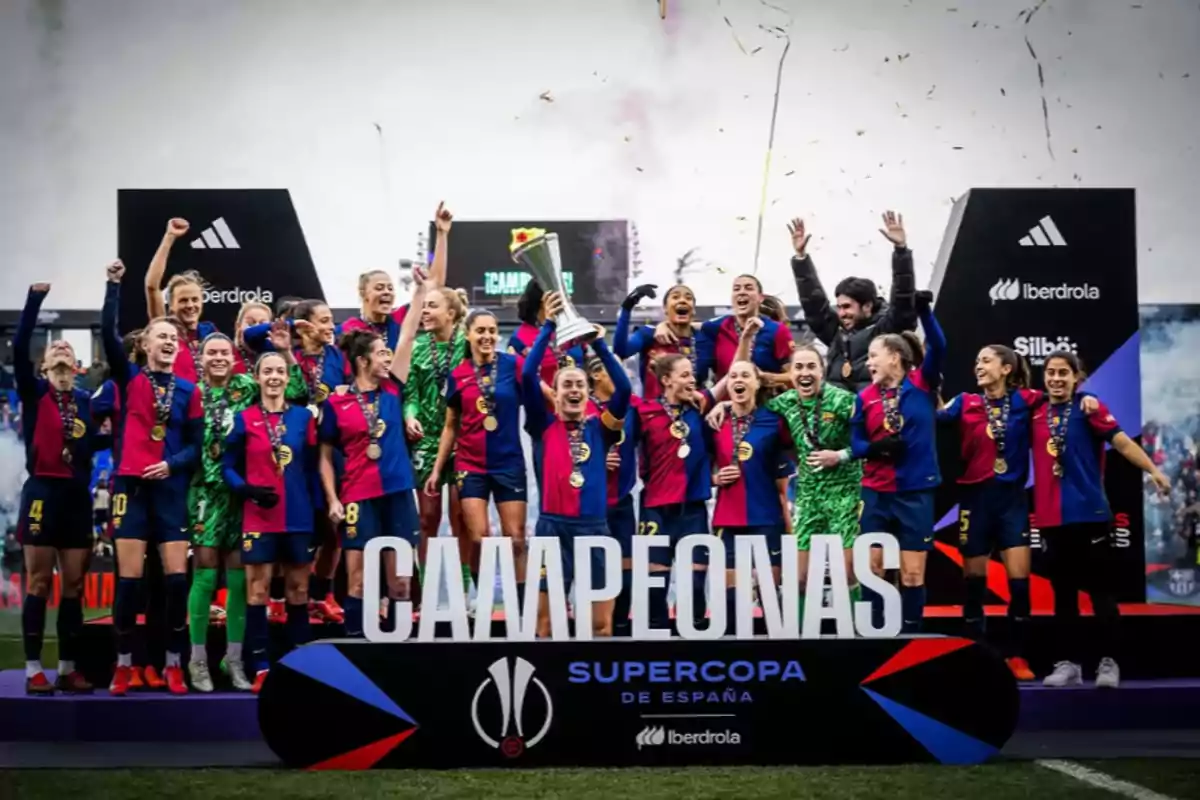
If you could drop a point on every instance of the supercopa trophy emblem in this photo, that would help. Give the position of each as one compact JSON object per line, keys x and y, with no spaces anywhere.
{"x":537,"y":251}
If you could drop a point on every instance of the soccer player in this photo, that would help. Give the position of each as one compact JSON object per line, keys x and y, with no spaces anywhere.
{"x":269,"y":462}
{"x":159,"y":432}
{"x":679,"y":304}
{"x":893,"y":429}
{"x":1072,"y":514}
{"x":482,"y":435}
{"x":860,"y":314}
{"x":185,"y":302}
{"x":531,"y":310}
{"x":720,"y":337}
{"x":374,"y":496}
{"x":249,"y":316}
{"x":574,"y":444}
{"x":621,"y":461}
{"x":439,"y":348}
{"x":750,"y":470}
{"x":59,"y":433}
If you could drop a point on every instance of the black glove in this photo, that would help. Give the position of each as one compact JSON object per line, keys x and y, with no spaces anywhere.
{"x":888,"y":449}
{"x":924,"y":300}
{"x":635,"y":297}
{"x":263,"y":496}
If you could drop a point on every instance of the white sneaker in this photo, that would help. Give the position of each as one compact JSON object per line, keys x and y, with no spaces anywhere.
{"x":236,"y":671}
{"x":1108,"y":674}
{"x":201,"y":679}
{"x":472,"y":606}
{"x":1065,"y":674}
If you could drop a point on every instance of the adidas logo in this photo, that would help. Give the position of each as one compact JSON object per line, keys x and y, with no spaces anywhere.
{"x":1044,"y":234}
{"x":217,"y":237}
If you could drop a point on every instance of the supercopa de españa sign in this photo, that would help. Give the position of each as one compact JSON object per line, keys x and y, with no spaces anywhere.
{"x":780,"y":605}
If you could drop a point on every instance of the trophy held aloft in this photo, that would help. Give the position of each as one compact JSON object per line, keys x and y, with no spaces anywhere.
{"x":537,"y":251}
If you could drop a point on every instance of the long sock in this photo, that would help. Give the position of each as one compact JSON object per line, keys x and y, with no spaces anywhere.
{"x":520,"y":598}
{"x":354,"y":616}
{"x":278,"y":589}
{"x":204,"y":583}
{"x":318,"y":588}
{"x":803,"y":596}
{"x":125,"y":610}
{"x":912,"y":602}
{"x":33,"y":626}
{"x":973,"y":619}
{"x":659,"y":616}
{"x":876,"y":600}
{"x":70,"y":625}
{"x":177,"y":616}
{"x":731,"y":611}
{"x":256,"y":637}
{"x":235,"y":609}
{"x":466,"y":577}
{"x":297,"y":624}
{"x":699,"y":596}
{"x":1018,"y":614}
{"x":621,"y":607}
{"x":856,"y":593}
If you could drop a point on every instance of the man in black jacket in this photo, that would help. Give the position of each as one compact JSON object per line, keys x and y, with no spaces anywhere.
{"x":860,"y":314}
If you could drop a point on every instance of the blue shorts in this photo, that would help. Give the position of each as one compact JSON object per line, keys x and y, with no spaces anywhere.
{"x":566,"y":532}
{"x":277,"y":548}
{"x":674,"y":522}
{"x":906,"y":515}
{"x":622,"y":524}
{"x":153,"y":511}
{"x":55,"y":512}
{"x":508,"y":486}
{"x":391,"y":515}
{"x":773,"y":534}
{"x":993,"y":515}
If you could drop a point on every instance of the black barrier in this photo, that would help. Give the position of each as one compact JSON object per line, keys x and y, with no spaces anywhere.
{"x":637,"y":703}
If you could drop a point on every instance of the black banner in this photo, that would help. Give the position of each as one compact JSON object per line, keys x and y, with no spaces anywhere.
{"x":247,"y":244}
{"x":630,"y":703}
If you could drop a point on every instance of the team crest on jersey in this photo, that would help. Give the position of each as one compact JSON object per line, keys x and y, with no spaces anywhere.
{"x":248,"y":541}
{"x":351,"y":532}
{"x":1183,"y":582}
{"x":828,"y":416}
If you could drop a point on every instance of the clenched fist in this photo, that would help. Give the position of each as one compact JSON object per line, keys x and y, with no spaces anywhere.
{"x":115,"y":271}
{"x":177,"y":227}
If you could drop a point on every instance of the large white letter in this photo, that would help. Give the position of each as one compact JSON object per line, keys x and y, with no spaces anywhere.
{"x":545,"y":561}
{"x":442,"y":565}
{"x":753,"y":560}
{"x":869,"y":580}
{"x":685,"y":556}
{"x":496,"y":555}
{"x":643,"y":581}
{"x":372,"y":560}
{"x":825,"y":553}
{"x":585,"y":595}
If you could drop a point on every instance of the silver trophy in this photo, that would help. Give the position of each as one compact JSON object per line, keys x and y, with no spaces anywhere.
{"x":541,"y":257}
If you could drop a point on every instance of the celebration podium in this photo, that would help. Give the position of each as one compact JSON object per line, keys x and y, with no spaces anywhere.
{"x":637,"y":703}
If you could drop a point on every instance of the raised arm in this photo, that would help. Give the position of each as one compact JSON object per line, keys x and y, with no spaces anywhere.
{"x":618,"y":404}
{"x":901,"y":312}
{"x":232,"y":463}
{"x":114,"y":350}
{"x":952,"y":411}
{"x":22,"y":360}
{"x":537,"y":419}
{"x":402,"y":358}
{"x":818,"y":313}
{"x":155,"y":306}
{"x":935,"y":343}
{"x":442,"y":220}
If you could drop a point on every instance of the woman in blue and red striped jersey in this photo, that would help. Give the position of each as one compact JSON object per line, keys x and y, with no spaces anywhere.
{"x":647,"y":342}
{"x":893,"y":428}
{"x":621,"y":462}
{"x":531,"y":310}
{"x":184,"y":302}
{"x":249,"y":317}
{"x":270,"y":462}
{"x":482,"y":433}
{"x":158,"y":435}
{"x":60,"y":434}
{"x":373,"y":494}
{"x":751,"y":471}
{"x":720,"y":338}
{"x":1072,"y":514}
{"x":572,"y":441}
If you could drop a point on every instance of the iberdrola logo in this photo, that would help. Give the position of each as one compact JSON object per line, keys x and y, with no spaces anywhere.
{"x":523,"y":236}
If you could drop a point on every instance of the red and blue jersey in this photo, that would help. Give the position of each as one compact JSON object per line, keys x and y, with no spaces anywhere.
{"x":47,"y":433}
{"x":106,"y":402}
{"x":250,"y":461}
{"x":328,"y":367}
{"x":916,"y":468}
{"x":642,"y":344}
{"x":524,"y":337}
{"x":596,"y":433}
{"x":718,"y":345}
{"x":187,"y":362}
{"x":668,"y":479}
{"x":1078,"y":495}
{"x":753,"y":499}
{"x":136,"y":417}
{"x":389,"y":329}
{"x":344,"y":425}
{"x":478,"y":450}
{"x":971,"y":413}
{"x":623,"y":479}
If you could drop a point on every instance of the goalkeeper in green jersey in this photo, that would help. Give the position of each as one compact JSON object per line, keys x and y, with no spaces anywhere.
{"x":215,"y":520}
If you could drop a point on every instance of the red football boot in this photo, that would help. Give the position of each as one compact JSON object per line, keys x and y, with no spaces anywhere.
{"x":121,"y":681}
{"x":73,"y":683}
{"x":259,"y":677}
{"x":135,"y":678}
{"x":39,"y":685}
{"x":175,"y":682}
{"x":1020,"y":668}
{"x":153,"y":679}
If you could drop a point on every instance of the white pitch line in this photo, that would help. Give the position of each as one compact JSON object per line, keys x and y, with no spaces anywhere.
{"x":1102,"y":781}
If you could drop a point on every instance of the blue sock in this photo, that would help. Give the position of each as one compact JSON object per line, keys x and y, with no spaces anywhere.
{"x":730,"y":611}
{"x":297,"y":624}
{"x":876,"y":600}
{"x":125,"y":611}
{"x":70,"y":625}
{"x":354,"y":616}
{"x":520,"y":596}
{"x":318,"y":588}
{"x":973,"y":618}
{"x":699,"y":597}
{"x":660,"y":617}
{"x":177,"y":613}
{"x":256,"y":638}
{"x":912,"y":602}
{"x":1018,"y":614}
{"x":621,"y":607}
{"x":33,"y":626}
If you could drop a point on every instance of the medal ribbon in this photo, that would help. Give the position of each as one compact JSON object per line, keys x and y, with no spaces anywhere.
{"x":811,"y":424}
{"x":575,"y":442}
{"x":891,"y":409}
{"x":1058,"y":431}
{"x":68,"y":411}
{"x":741,"y":426}
{"x":487,"y":384}
{"x":314,"y":369}
{"x":688,"y":348}
{"x":370,"y":412}
{"x":215,"y":406}
{"x":441,"y":366}
{"x":998,"y":421}
{"x":274,"y":433}
{"x":163,"y":398}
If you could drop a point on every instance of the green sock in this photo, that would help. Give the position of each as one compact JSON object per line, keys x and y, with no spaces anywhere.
{"x":235,"y":605}
{"x":466,"y":576}
{"x":802,"y":596}
{"x":855,"y":593}
{"x":204,"y":583}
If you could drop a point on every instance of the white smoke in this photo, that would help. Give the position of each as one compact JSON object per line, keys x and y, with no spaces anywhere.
{"x":12,"y":478}
{"x":1170,"y":371}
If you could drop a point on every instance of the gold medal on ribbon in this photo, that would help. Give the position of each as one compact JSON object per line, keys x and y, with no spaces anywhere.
{"x":1058,"y":470}
{"x":67,"y":456}
{"x":481,"y":405}
{"x":745,"y":451}
{"x":621,"y":438}
{"x":78,"y":429}
{"x":577,"y":480}
{"x":380,"y":428}
{"x":569,"y":362}
{"x":322,"y":393}
{"x":887,"y":425}
{"x":158,"y":433}
{"x":315,"y":410}
{"x":1000,"y":467}
{"x":847,"y":370}
{"x":679,"y":429}
{"x":685,"y":450}
{"x":585,"y":452}
{"x":990,"y":433}
{"x":1052,"y":448}
{"x":374,"y":451}
{"x":285,"y":455}
{"x":490,"y":424}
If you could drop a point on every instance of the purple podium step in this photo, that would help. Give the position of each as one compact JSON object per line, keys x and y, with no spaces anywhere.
{"x":137,"y":717}
{"x":1136,"y":705}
